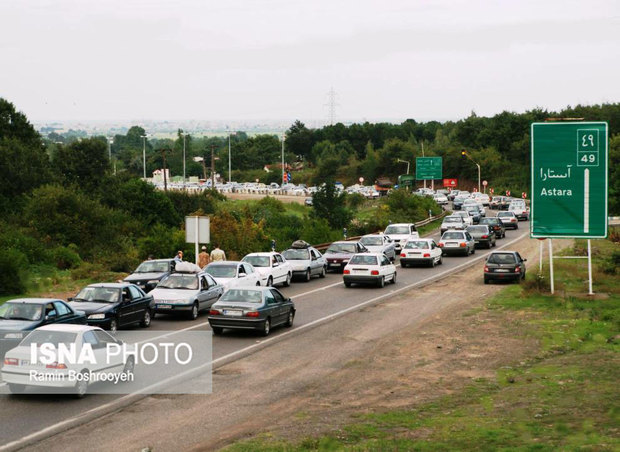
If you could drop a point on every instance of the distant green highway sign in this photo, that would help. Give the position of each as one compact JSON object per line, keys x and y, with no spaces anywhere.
{"x":428,"y":168}
{"x":569,"y":179}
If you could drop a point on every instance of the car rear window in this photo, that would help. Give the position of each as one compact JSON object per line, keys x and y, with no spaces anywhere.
{"x":502,"y":258}
{"x":243,"y":296}
{"x":397,"y":230}
{"x":417,"y":244}
{"x":452,"y":236}
{"x":359,"y":259}
{"x":371,"y":241}
{"x":478,"y":229}
{"x":342,"y":248}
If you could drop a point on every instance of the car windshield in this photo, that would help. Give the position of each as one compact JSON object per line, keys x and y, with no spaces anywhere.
{"x":99,"y":294}
{"x":179,"y":281}
{"x":418,"y":245}
{"x":397,"y":230}
{"x":341,"y":248}
{"x":296,"y":255}
{"x":243,"y":296}
{"x":152,"y":267}
{"x":222,"y":271}
{"x":452,"y":236}
{"x":257,"y":261}
{"x":502,"y":258}
{"x":372,"y":241}
{"x":21,"y":311}
{"x":48,"y":337}
{"x":453,"y":220}
{"x":477,"y":229}
{"x":360,"y":259}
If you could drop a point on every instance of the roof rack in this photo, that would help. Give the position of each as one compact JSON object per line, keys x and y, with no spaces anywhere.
{"x":300,"y":244}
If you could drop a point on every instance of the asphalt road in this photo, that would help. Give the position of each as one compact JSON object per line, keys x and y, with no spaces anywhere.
{"x":21,"y":416}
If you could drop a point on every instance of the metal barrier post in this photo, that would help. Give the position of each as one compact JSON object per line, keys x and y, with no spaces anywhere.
{"x":590,"y":269}
{"x":551,"y":264}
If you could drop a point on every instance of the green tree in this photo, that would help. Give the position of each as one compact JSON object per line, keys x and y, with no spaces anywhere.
{"x":83,"y":163}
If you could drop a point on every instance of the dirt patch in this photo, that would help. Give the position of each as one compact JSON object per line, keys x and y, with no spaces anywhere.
{"x":283,"y":198}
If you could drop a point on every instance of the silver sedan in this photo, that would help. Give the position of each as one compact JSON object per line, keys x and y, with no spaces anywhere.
{"x":380,"y":243}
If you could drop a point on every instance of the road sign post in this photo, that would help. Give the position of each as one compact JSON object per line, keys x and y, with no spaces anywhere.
{"x":569,"y":172}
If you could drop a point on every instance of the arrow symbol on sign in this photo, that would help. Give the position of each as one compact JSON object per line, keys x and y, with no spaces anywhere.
{"x":586,"y":201}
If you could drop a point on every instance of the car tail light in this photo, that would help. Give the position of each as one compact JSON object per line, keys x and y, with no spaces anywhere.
{"x":374,"y":272}
{"x":56,"y":366}
{"x":517,"y":269}
{"x":10,"y":361}
{"x":513,"y":220}
{"x":346,"y":272}
{"x":485,"y":236}
{"x":403,"y":255}
{"x":427,"y":255}
{"x":441,"y":244}
{"x":252,"y":314}
{"x":463,"y":244}
{"x":214,"y":312}
{"x":486,"y":269}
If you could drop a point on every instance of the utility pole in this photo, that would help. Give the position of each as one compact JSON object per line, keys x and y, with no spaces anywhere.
{"x":184,"y":135}
{"x":144,"y":155}
{"x":163,"y":156}
{"x":283,"y":138}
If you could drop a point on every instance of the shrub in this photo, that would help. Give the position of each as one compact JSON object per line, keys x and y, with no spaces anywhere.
{"x":65,"y":257}
{"x":13,"y":265}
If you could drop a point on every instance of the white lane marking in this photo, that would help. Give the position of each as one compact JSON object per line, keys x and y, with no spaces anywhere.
{"x":119,"y":402}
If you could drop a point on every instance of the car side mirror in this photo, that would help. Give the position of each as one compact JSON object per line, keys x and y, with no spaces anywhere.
{"x":242,"y":275}
{"x":276,"y":265}
{"x":70,"y":299}
{"x":524,"y":260}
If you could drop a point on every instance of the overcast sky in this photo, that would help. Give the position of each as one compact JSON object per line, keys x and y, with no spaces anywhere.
{"x":278,"y":59}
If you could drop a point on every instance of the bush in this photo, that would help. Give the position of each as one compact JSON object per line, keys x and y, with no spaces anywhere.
{"x":65,"y":257}
{"x":90,"y":271}
{"x":13,"y":276}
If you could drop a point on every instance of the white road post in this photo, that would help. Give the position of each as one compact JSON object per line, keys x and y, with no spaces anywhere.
{"x":196,"y":244}
{"x":542,"y":248}
{"x":551,"y":265}
{"x":590,"y":269}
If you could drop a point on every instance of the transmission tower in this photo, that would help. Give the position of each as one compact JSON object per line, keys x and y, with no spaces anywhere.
{"x":331,"y":105}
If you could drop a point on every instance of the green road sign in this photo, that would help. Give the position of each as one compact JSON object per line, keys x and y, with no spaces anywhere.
{"x":428,"y":168}
{"x":406,"y":180}
{"x":569,"y":180}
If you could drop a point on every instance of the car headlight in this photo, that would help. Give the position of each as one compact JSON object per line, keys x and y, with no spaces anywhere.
{"x":96,"y":316}
{"x":14,"y":336}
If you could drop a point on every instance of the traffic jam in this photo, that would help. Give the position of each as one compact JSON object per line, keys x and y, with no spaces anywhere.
{"x":268,"y":292}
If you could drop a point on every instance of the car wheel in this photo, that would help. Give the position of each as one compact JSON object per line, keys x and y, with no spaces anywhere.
{"x":269,"y":281}
{"x":440,"y":259}
{"x":323,"y":273}
{"x":291,"y":317}
{"x":266,"y":327}
{"x":16,"y":389}
{"x":347,"y":284}
{"x":486,"y":281}
{"x":81,"y":385}
{"x":307,"y":275}
{"x":394,"y":278}
{"x":146,"y":319}
{"x":129,"y":366}
{"x":193,"y":314}
{"x":517,"y":227}
{"x":404,"y":264}
{"x":473,"y":250}
{"x":432,"y":263}
{"x":217,"y":330}
{"x":258,"y":283}
{"x":288,"y":280}
{"x":113,"y":325}
{"x":381,"y":282}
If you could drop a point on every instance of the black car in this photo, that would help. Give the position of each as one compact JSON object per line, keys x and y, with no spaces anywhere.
{"x":114,"y":305}
{"x":20,"y":316}
{"x":149,"y":273}
{"x":474,"y":213}
{"x":496,"y":226}
{"x":504,"y":266}
{"x":251,"y":308}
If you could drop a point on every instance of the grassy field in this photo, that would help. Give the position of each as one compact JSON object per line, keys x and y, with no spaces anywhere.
{"x":563,"y":397}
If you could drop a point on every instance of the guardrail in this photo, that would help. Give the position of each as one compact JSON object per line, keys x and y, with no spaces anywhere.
{"x":323,"y":246}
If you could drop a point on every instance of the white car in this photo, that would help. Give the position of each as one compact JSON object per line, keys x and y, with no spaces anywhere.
{"x":271,"y":267}
{"x":467,"y":218}
{"x":19,"y":371}
{"x":440,"y":199}
{"x":520,"y":210}
{"x":424,"y":251}
{"x":475,"y":203}
{"x":305,"y":261}
{"x":457,"y":242}
{"x":233,"y":274}
{"x":482,"y":198}
{"x":453,"y":222}
{"x":509,"y":219}
{"x":379,"y":243}
{"x":369,"y":268}
{"x":400,"y":233}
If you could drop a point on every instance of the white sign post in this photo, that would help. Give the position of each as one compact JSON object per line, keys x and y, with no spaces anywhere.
{"x":197,"y":230}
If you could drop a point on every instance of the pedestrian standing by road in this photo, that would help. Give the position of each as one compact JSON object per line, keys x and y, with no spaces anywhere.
{"x":179,"y":256}
{"x":203,"y":258}
{"x":217,"y":254}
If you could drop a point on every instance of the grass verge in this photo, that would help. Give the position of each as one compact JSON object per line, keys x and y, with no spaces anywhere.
{"x":563,"y":397}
